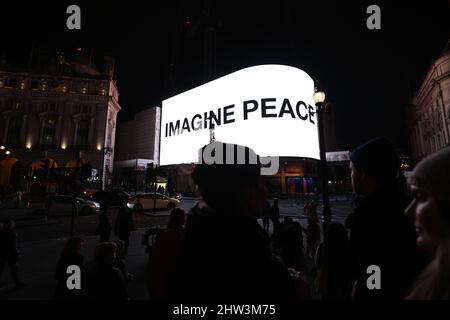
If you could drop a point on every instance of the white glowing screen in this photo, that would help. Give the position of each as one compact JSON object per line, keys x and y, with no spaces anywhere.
{"x":269,"y":108}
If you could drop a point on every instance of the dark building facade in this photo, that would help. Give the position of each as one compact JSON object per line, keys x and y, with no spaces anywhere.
{"x":51,"y":112}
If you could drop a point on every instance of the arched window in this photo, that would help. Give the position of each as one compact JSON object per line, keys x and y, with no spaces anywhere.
{"x":83,"y":133}
{"x":49,"y":132}
{"x":14,"y":128}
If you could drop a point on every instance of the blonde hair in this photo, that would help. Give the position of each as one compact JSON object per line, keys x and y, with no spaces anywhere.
{"x":434,"y":282}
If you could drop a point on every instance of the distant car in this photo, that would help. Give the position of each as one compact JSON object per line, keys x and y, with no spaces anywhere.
{"x":177,"y":196}
{"x":87,"y":193}
{"x":112,"y":198}
{"x":146,"y":201}
{"x":61,"y":205}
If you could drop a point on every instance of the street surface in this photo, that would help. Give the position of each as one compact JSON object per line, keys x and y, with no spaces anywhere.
{"x":41,"y":242}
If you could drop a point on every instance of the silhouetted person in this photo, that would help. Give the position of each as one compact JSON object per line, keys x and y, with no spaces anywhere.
{"x":18,"y":200}
{"x":266,"y":216}
{"x":288,"y":243}
{"x":332,"y":263}
{"x":104,"y":224}
{"x":104,"y":281}
{"x":119,"y":262}
{"x":225,"y":253}
{"x":2,"y":195}
{"x":312,"y":231}
{"x":380,"y":233}
{"x":275,"y":214}
{"x":124,"y":225}
{"x":195,"y":209}
{"x":71,"y":255}
{"x":430,"y":210}
{"x":9,"y":254}
{"x":163,"y":254}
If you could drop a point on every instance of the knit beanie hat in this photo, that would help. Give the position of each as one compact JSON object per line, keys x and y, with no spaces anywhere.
{"x":377,"y":157}
{"x":432,"y":174}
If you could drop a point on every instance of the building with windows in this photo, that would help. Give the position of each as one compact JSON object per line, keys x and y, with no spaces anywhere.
{"x":133,"y":158}
{"x":428,"y":114}
{"x":55,"y":110}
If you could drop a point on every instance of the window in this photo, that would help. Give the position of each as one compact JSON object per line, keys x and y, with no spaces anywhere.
{"x":14,"y":128}
{"x":83,"y":133}
{"x":49,"y":131}
{"x":34,"y":84}
{"x":12,"y":82}
{"x":54,"y":107}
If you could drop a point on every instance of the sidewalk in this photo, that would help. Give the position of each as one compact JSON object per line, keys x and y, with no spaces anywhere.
{"x":20,"y":216}
{"x":38,"y":262}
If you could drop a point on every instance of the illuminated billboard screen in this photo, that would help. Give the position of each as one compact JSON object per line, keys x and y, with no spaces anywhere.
{"x":269,"y":108}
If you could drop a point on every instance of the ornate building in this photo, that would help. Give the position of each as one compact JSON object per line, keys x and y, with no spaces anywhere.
{"x":54,"y":111}
{"x":429,"y":113}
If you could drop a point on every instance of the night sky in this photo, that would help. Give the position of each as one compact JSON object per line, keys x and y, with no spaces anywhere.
{"x":368,"y":75}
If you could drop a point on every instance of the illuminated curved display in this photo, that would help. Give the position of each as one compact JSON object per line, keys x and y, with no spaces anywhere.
{"x":268,"y":108}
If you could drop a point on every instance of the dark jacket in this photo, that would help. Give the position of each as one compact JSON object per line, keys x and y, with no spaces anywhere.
{"x":124,"y":224}
{"x":105,"y":282}
{"x":104,"y":224}
{"x":227,"y":257}
{"x":161,"y":262}
{"x":274,"y":214}
{"x":8,"y":245}
{"x":382,"y":235}
{"x":61,"y":290}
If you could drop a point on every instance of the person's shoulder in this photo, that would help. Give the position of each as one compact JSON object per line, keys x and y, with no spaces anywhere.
{"x":117,"y":273}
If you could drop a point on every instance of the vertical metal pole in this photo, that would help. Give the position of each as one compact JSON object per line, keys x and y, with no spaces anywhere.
{"x":135,"y":177}
{"x":74,"y":194}
{"x":103,"y":167}
{"x":326,"y":213}
{"x":154,"y":186}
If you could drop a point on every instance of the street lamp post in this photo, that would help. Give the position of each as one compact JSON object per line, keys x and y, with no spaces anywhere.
{"x":106,"y":151}
{"x":319,"y":99}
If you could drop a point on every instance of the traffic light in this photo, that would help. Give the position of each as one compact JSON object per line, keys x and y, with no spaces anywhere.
{"x":45,"y":164}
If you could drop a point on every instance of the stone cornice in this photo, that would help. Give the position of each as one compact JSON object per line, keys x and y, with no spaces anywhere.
{"x":63,"y":96}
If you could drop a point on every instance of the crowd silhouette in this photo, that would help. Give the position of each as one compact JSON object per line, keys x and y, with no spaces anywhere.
{"x":219,"y":250}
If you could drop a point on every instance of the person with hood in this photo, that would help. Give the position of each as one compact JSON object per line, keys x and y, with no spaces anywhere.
{"x":380,"y":234}
{"x":225,"y":254}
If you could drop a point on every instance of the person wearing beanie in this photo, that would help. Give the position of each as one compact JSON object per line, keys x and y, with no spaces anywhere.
{"x":225,"y":254}
{"x":430,"y":209}
{"x":380,"y":233}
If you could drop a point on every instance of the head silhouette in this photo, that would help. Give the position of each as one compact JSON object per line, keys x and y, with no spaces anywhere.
{"x":373,"y":164}
{"x":229,"y":178}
